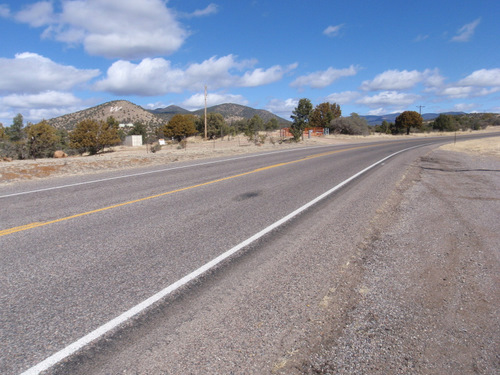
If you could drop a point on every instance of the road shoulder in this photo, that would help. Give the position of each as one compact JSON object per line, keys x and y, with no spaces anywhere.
{"x":426,"y":282}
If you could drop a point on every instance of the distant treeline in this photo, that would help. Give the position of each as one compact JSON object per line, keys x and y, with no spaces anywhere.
{"x":447,"y":123}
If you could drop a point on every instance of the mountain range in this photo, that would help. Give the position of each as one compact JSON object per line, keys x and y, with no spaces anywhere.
{"x":126,"y":112}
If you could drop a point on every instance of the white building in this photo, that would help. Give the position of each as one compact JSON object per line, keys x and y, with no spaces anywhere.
{"x":133,"y":140}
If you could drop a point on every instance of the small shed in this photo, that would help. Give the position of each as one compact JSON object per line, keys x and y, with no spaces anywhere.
{"x":133,"y":140}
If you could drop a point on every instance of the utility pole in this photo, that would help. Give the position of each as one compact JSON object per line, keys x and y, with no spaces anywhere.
{"x":420,"y":108}
{"x":205,"y":112}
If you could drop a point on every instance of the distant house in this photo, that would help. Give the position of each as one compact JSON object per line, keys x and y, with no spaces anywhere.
{"x":123,"y":126}
{"x":133,"y":140}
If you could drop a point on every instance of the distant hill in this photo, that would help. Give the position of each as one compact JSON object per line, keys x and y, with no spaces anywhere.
{"x":122,"y":110}
{"x":230,"y":112}
{"x":126,"y":112}
{"x":170,"y":110}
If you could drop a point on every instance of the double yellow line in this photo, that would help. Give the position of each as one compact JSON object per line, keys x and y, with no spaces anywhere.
{"x":22,"y":228}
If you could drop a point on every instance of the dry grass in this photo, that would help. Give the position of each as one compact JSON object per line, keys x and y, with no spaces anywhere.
{"x":485,"y":146}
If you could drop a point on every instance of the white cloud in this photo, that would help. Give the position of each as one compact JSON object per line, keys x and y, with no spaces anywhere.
{"x":483,"y":77}
{"x":260,"y":77}
{"x":283,"y":108}
{"x":345,"y":97}
{"x":333,"y":31}
{"x":157,"y":76}
{"x":466,"y":32}
{"x":321,"y":79}
{"x":197,"y":101}
{"x":126,"y":29}
{"x":33,"y":73}
{"x":210,"y":9}
{"x":402,"y":80}
{"x":37,"y":14}
{"x":44,"y":99}
{"x":463,"y":92}
{"x":36,"y":107}
{"x":464,"y":107}
{"x":389,"y":98}
{"x":377,"y":112}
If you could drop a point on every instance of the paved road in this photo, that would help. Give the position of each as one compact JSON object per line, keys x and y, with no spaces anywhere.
{"x":75,"y":258}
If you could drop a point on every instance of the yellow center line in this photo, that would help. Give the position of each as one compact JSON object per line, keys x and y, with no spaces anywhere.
{"x":41,"y":224}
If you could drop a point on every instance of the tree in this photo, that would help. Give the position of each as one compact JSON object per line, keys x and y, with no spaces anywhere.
{"x":179,"y":127}
{"x":272,"y":124}
{"x":3,"y":133}
{"x":17,"y":138}
{"x":254,"y":125}
{"x":93,"y":136}
{"x":445,"y":123}
{"x":215,"y":125}
{"x":15,"y":131}
{"x":300,"y":118}
{"x":324,"y":113}
{"x":407,"y":120}
{"x":353,"y":125}
{"x":42,"y":139}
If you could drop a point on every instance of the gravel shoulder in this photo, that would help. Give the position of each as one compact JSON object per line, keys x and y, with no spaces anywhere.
{"x":424,"y":291}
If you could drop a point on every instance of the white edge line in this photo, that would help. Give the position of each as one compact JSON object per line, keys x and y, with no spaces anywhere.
{"x":155,"y":171}
{"x":112,"y":324}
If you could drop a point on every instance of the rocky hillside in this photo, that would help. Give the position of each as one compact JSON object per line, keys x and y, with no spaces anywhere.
{"x":126,"y":112}
{"x":123,"y":111}
{"x":230,"y":112}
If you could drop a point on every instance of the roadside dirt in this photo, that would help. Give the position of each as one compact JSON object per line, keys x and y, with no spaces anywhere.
{"x":423,"y":295}
{"x":122,"y":157}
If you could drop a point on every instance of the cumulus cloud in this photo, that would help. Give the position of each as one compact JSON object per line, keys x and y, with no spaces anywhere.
{"x":321,"y":79}
{"x":197,"y":101}
{"x":345,"y":97}
{"x":333,"y":31}
{"x":283,"y":108}
{"x":462,"y":92}
{"x":481,"y":82}
{"x":260,"y":77}
{"x":158,"y":77}
{"x":377,"y":111}
{"x":483,"y":77}
{"x":389,"y":99}
{"x":37,"y":14}
{"x":402,"y":80}
{"x":33,"y":73}
{"x":464,"y":107}
{"x":44,"y":105}
{"x":43,"y":99}
{"x":125,"y":29}
{"x":466,"y":32}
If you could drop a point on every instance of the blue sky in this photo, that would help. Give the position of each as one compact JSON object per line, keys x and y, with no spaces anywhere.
{"x":370,"y":57}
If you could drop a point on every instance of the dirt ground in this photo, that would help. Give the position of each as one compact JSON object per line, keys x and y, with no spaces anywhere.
{"x":123,"y":157}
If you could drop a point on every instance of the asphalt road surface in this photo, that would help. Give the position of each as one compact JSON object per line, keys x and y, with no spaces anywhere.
{"x":77,"y":254}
